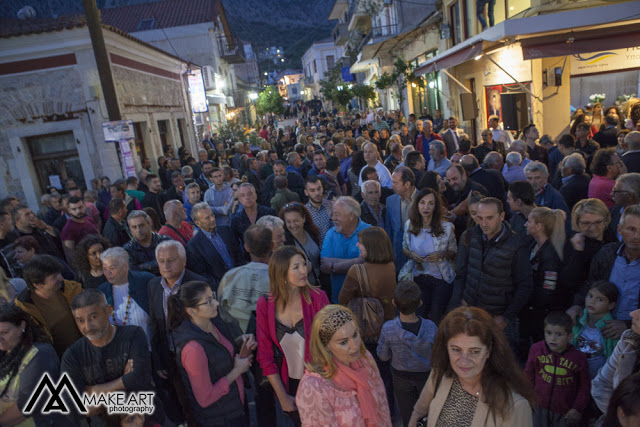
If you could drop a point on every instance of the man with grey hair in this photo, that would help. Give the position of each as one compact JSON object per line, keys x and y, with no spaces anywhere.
{"x":631,"y":157}
{"x":438,"y":161}
{"x":575,"y":182}
{"x":493,"y":160}
{"x":252,"y":211}
{"x":213,"y":250}
{"x":176,"y":226}
{"x":202,"y":159}
{"x":426,"y":137}
{"x":339,"y":251}
{"x":538,"y":175}
{"x":372,"y":211}
{"x":513,"y":170}
{"x":142,"y":246}
{"x":236,"y":160}
{"x":372,"y":157}
{"x":126,"y":290}
{"x":626,"y":192}
{"x":276,"y":225}
{"x":172,"y":261}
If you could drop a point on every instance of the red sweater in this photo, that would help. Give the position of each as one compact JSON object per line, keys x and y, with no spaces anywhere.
{"x":561,"y":380}
{"x":186,"y":233}
{"x":266,"y":332}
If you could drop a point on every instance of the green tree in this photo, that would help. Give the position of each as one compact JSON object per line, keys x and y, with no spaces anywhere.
{"x":402,"y":74}
{"x":270,"y":101}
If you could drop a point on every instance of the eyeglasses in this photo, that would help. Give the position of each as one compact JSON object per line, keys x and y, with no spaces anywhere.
{"x":620,"y":191}
{"x":590,"y":224}
{"x":291,"y":205}
{"x":208,"y":301}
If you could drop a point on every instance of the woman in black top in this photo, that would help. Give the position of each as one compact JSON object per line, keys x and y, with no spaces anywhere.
{"x":87,"y":261}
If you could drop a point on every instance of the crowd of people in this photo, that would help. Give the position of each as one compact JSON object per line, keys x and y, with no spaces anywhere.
{"x":347,"y":270}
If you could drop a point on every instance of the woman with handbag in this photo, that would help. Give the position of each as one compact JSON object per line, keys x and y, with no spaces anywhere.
{"x":341,"y":386}
{"x":475,"y":380}
{"x":430,"y":246}
{"x":375,"y":279}
{"x":283,"y":321}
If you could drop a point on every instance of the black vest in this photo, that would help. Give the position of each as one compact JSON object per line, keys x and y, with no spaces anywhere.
{"x":228,"y":408}
{"x":489,"y":283}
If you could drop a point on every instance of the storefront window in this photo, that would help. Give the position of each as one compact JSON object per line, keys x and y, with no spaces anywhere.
{"x":55,"y":158}
{"x":516,"y":6}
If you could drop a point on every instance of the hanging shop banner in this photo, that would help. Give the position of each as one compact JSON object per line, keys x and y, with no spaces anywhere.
{"x":127,"y":157}
{"x":197,"y":92}
{"x":115,"y":131}
{"x":611,"y":60}
{"x":509,"y":58}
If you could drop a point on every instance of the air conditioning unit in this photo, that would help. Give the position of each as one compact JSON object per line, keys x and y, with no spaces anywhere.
{"x":208,"y":77}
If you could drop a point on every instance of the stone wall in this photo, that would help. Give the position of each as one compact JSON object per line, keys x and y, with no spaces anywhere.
{"x":141,"y":93}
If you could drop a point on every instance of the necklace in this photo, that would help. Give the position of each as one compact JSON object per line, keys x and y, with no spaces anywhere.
{"x":126,"y":313}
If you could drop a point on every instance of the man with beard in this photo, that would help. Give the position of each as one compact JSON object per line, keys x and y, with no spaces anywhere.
{"x":108,"y":358}
{"x":77,"y":227}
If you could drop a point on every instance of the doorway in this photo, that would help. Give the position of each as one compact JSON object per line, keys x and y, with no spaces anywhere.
{"x":55,"y":159}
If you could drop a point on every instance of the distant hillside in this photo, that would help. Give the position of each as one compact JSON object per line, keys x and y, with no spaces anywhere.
{"x":292,"y":24}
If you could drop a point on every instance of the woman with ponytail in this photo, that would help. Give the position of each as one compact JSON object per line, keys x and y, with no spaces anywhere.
{"x":550,"y":292}
{"x":25,"y":354}
{"x":210,"y":360}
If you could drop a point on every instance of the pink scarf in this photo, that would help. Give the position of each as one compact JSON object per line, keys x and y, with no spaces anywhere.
{"x":355,"y":377}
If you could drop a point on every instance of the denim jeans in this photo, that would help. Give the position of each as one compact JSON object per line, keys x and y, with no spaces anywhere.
{"x":436,"y":294}
{"x":407,"y":393}
{"x":480,"y":12}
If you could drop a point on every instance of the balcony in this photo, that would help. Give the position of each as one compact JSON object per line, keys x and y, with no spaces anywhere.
{"x":340,"y":34}
{"x":384,"y":31}
{"x":231,"y":49}
{"x":357,"y":17}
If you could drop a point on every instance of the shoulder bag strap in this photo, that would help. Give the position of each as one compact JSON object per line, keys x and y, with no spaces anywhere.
{"x":366,"y":278}
{"x":359,"y":279}
{"x":177,"y":232}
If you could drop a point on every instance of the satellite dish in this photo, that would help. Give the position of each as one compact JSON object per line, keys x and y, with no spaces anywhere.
{"x":26,"y":12}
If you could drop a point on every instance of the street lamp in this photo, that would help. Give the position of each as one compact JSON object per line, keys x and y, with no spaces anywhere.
{"x":253,"y":96}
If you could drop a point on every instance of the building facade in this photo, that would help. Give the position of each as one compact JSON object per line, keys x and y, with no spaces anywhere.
{"x":321,"y":57}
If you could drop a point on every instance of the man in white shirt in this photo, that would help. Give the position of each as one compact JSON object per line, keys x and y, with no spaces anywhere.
{"x":499,"y":134}
{"x":371,"y":156}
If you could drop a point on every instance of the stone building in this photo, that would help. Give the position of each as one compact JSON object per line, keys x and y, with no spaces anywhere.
{"x":52,"y":106}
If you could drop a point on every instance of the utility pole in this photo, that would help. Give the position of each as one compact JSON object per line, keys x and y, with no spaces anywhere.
{"x":102,"y":60}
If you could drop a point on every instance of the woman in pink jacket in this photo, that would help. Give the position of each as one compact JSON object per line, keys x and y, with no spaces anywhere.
{"x":342,"y":385}
{"x":283,"y":322}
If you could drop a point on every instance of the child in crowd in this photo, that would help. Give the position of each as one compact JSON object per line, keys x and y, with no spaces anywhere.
{"x":600,"y":301}
{"x":559,"y":373}
{"x":407,"y":341}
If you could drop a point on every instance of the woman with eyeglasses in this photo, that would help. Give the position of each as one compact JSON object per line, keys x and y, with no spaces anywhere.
{"x":211,"y":361}
{"x":283,"y":321}
{"x":301,"y":232}
{"x":590,"y":220}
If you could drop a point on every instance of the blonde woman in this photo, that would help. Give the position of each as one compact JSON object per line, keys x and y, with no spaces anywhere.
{"x":283,"y":322}
{"x":341,"y":385}
{"x":551,"y":291}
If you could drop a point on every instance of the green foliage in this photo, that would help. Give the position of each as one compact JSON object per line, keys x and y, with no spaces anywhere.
{"x":364,"y":92}
{"x":403,"y":73}
{"x":230,"y":131}
{"x":270,"y":101}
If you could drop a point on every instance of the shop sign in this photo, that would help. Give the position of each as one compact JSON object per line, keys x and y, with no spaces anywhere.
{"x":509,"y":58}
{"x":122,"y":132}
{"x":197,"y":91}
{"x":611,"y":60}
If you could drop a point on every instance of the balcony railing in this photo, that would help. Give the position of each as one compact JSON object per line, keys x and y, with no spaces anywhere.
{"x":340,"y":34}
{"x":231,"y":49}
{"x":384,"y":31}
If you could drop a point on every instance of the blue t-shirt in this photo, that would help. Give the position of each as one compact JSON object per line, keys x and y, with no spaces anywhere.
{"x":336,"y":245}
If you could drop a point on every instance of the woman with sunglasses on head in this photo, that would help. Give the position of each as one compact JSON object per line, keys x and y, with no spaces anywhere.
{"x":210,"y":359}
{"x":283,"y":322}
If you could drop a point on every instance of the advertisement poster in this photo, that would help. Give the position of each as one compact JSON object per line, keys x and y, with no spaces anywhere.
{"x":197,"y":92}
{"x":122,"y":132}
{"x":612,"y":60}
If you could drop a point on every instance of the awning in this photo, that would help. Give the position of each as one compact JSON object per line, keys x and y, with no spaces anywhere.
{"x":216,"y":99}
{"x":450,"y":60}
{"x":601,"y":29}
{"x":363,"y":66}
{"x":576,"y":42}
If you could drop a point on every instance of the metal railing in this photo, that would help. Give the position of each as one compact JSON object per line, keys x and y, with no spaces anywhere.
{"x":231,"y":48}
{"x":384,"y":30}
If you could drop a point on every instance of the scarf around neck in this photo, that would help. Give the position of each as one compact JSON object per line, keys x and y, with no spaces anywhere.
{"x":355,"y":377}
